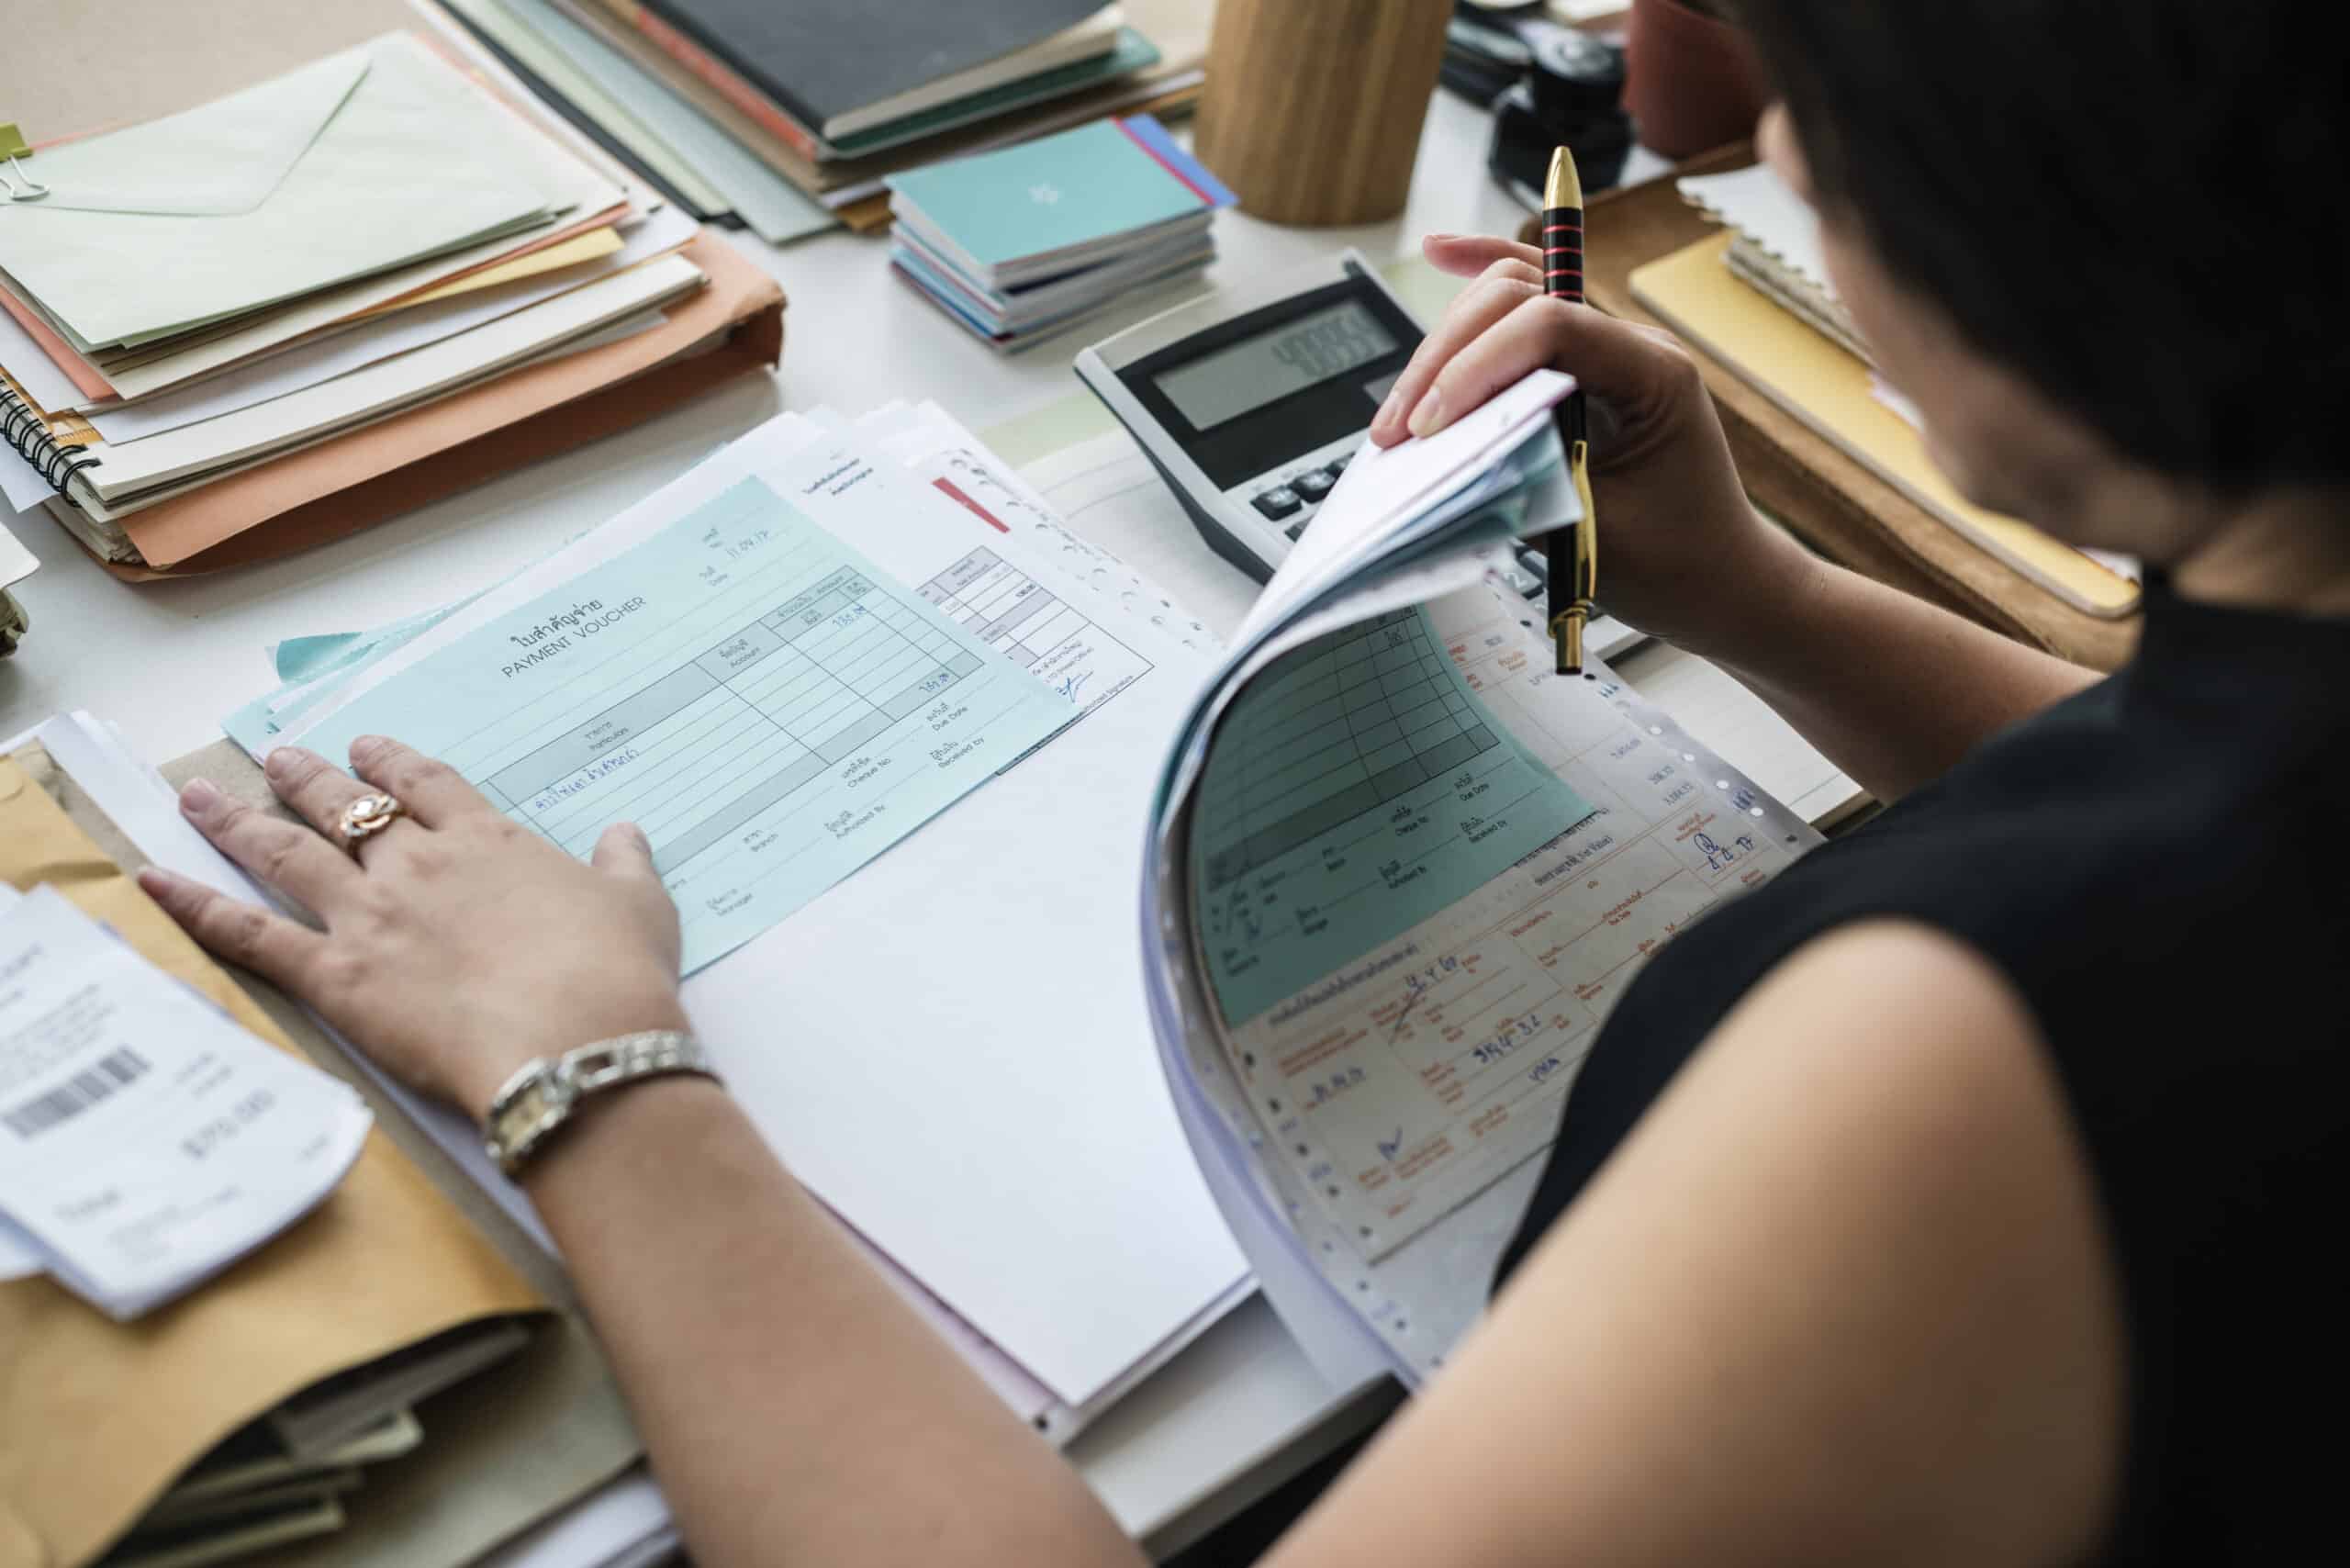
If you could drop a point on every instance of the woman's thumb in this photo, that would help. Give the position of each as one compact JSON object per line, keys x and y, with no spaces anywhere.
{"x":623,"y":850}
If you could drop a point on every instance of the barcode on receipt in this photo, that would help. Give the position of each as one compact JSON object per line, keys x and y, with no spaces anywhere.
{"x":76,"y":1094}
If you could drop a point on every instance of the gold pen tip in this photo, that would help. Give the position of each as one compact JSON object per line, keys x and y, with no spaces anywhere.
{"x":1566,"y":638}
{"x":1564,"y":187}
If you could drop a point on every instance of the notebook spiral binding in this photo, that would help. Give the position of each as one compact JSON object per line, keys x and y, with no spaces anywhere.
{"x":22,"y":428}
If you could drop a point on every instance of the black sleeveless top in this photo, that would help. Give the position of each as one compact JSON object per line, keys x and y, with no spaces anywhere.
{"x":2159,"y":865}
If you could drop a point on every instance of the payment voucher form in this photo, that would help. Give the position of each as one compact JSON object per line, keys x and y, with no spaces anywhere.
{"x":756,"y":695}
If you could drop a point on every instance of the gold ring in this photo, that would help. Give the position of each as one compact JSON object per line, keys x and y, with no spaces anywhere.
{"x":367,"y":816}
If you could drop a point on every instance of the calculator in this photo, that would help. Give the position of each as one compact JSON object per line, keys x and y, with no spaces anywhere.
{"x":1249,"y":400}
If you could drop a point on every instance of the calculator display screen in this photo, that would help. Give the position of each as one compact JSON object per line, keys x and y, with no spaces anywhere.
{"x":1299,"y":353}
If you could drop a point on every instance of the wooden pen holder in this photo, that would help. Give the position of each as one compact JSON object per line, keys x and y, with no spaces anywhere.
{"x":1313,"y":108}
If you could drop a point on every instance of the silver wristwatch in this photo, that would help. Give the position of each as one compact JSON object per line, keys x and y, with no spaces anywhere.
{"x":539,"y":1099}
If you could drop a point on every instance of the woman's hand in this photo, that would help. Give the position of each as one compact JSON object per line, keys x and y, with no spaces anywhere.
{"x":458,"y":944}
{"x":1681,"y":550}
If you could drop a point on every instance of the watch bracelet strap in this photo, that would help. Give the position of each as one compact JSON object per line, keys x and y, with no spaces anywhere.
{"x":543,"y":1095}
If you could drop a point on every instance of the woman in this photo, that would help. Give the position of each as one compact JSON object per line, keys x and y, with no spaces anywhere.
{"x":1944,"y":1200}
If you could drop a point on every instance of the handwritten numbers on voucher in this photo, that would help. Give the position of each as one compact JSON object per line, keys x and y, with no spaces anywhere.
{"x":726,"y":545}
{"x":1469,"y":1025}
{"x":1354,"y":788}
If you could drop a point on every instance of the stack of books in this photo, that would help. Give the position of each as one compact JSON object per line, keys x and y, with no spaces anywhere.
{"x":1020,"y":245}
{"x":289,"y":290}
{"x":784,"y":119}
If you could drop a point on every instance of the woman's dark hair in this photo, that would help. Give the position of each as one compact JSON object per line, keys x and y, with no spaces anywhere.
{"x":2136,"y":204}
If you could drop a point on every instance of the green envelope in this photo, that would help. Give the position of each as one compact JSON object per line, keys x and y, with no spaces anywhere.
{"x":351,"y":164}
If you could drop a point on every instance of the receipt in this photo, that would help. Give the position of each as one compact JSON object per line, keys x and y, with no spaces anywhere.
{"x":146,"y":1140}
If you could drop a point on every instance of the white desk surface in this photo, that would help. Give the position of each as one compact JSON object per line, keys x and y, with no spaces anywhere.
{"x":1239,"y":1411}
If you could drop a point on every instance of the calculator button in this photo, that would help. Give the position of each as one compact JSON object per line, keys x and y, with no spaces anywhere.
{"x":1278,"y":502}
{"x":1294,"y":529}
{"x":1313,"y":485}
{"x":1522,"y":580}
{"x":1535,"y":561}
{"x":1339,"y":466}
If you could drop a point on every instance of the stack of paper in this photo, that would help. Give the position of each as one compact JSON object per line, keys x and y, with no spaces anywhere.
{"x":1022,"y":244}
{"x":306,"y":263}
{"x":291,"y":1476}
{"x":1399,"y":874}
{"x":1047,"y":1285}
{"x":255,"y":1490}
{"x":783,"y":118}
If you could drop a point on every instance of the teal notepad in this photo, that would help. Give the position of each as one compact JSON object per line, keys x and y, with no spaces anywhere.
{"x":1078,"y":188}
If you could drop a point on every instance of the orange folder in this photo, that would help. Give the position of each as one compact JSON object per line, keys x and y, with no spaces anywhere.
{"x":732,"y":327}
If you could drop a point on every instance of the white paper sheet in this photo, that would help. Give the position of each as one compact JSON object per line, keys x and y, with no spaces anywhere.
{"x":21,"y":486}
{"x":298,"y":369}
{"x":366,"y":394}
{"x":1117,"y":1244}
{"x":146,"y":1141}
{"x":622,"y":1524}
{"x":1384,"y":486}
{"x":1127,"y":531}
{"x":1019,"y":1083}
{"x":17,"y":563}
{"x":34,"y":370}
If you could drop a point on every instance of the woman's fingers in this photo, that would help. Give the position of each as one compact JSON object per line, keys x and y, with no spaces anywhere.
{"x":315,"y":788}
{"x":1466,"y":255}
{"x":1506,"y":284}
{"x":270,"y":945}
{"x":287,"y":855}
{"x":1525,"y":339}
{"x":624,"y":851}
{"x":433,"y":792}
{"x":1617,"y":364}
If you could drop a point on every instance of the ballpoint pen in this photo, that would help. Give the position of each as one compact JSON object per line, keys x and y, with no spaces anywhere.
{"x":1575,"y":579}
